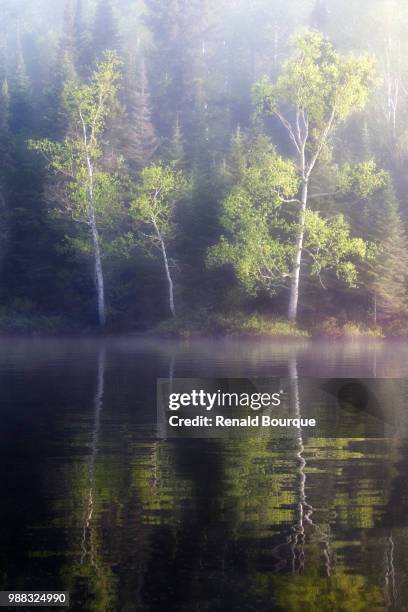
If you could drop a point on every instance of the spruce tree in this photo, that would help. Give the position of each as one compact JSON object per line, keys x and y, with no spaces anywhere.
{"x":68,"y":49}
{"x":388,"y":270}
{"x":105,"y":34}
{"x":66,"y":63}
{"x":82,"y":40}
{"x":176,"y":149}
{"x":140,"y":141}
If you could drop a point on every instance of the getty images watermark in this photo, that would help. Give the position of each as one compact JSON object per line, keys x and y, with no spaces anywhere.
{"x":319,"y":407}
{"x":210,"y":401}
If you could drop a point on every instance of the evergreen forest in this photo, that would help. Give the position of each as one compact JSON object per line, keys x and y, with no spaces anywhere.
{"x":204,"y":166}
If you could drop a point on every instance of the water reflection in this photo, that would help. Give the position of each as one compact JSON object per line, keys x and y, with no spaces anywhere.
{"x":128,"y":521}
{"x":88,"y":542}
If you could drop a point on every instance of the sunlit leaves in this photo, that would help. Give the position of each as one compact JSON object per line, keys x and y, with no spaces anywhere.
{"x":362,"y":179}
{"x":156,"y":195}
{"x":90,"y":105}
{"x":318,"y":82}
{"x":87,"y":192}
{"x":257,"y":218}
{"x":330,"y":246}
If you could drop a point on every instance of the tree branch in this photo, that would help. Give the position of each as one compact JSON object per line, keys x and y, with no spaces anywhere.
{"x":322,"y":142}
{"x":289,"y":128}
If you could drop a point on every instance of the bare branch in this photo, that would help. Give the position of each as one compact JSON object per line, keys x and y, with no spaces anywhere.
{"x":289,"y":128}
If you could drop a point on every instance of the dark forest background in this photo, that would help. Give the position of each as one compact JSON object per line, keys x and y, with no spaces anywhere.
{"x":186,"y":99}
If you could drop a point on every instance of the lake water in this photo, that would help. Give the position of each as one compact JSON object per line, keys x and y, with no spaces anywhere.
{"x":94,"y":502}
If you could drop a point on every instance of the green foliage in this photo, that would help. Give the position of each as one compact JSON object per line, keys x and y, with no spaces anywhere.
{"x":259,"y":240}
{"x":318,"y":82}
{"x":256,"y":325}
{"x":356,"y":330}
{"x":105,"y":34}
{"x":329,"y":245}
{"x":156,"y":195}
{"x":250,"y":214}
{"x":202,"y":323}
{"x":387,"y":268}
{"x":89,"y":107}
{"x":186,"y":100}
{"x":333,"y":329}
{"x":139,"y":140}
{"x":362,"y":179}
{"x":22,"y":317}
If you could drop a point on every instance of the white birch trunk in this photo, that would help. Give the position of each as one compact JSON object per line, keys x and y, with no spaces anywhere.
{"x":167,"y":268}
{"x":99,"y":279}
{"x":294,"y":286}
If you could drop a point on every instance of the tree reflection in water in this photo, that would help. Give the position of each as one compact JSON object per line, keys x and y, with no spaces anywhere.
{"x":88,"y":542}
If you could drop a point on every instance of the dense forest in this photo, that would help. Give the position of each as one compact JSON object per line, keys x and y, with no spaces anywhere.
{"x":204,"y":165}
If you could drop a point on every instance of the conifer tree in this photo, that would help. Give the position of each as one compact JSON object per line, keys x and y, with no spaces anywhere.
{"x":65,"y":70}
{"x":174,"y":152}
{"x":105,"y":34}
{"x":140,"y":141}
{"x":83,"y":40}
{"x":388,"y":269}
{"x":68,"y":49}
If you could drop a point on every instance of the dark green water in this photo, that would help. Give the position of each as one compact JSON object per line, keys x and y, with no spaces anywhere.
{"x":94,"y":502}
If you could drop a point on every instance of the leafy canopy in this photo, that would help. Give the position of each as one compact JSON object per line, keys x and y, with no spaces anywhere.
{"x":259,"y":229}
{"x":77,"y":159}
{"x":159,"y":189}
{"x":318,"y":82}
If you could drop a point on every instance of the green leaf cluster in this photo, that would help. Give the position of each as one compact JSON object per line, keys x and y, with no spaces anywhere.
{"x":157,"y":192}
{"x":318,"y":81}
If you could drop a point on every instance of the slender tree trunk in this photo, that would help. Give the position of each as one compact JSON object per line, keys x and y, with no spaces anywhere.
{"x":294,"y":286}
{"x":88,"y":546}
{"x":167,"y":268}
{"x":99,"y":279}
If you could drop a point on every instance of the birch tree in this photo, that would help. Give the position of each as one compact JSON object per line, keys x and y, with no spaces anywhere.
{"x":258,"y":230}
{"x":87,"y":192}
{"x":317,"y":90}
{"x":153,"y":209}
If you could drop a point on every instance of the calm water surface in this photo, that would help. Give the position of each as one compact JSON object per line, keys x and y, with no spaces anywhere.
{"x":94,"y":502}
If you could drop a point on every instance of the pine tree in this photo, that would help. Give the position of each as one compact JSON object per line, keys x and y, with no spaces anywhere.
{"x":65,"y":70}
{"x":105,"y":32}
{"x":140,"y":141}
{"x":68,"y":51}
{"x":83,"y":41}
{"x":388,"y":271}
{"x":173,"y":151}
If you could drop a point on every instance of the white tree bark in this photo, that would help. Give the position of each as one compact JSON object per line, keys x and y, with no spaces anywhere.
{"x":87,"y":544}
{"x":99,"y":277}
{"x":295,"y":282}
{"x":167,"y":269}
{"x":299,"y":134}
